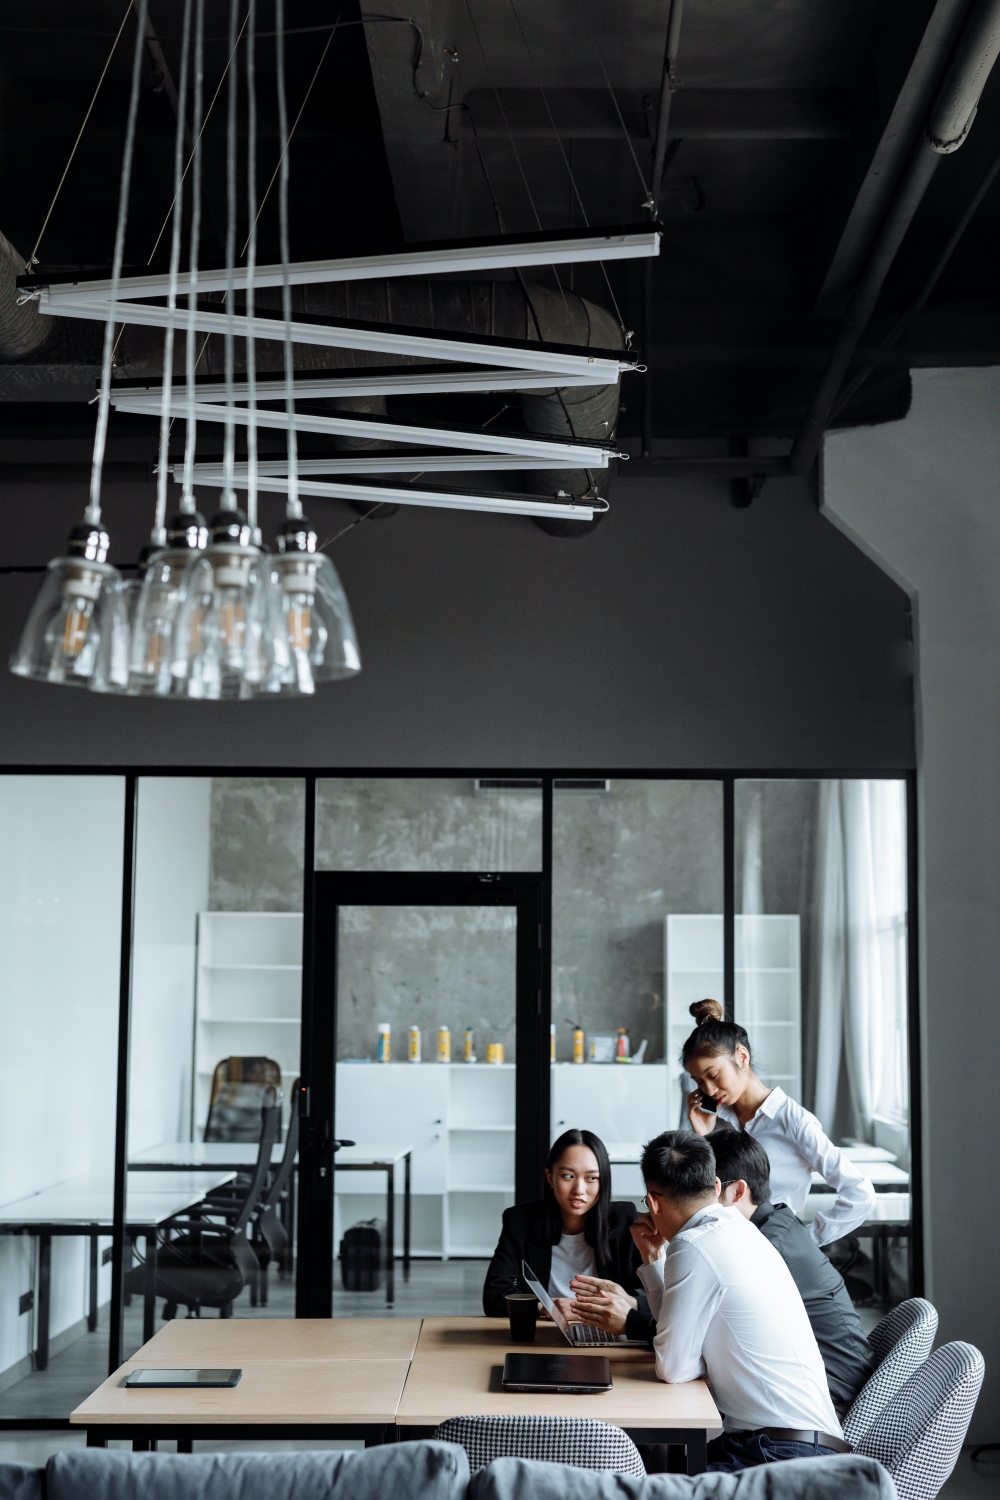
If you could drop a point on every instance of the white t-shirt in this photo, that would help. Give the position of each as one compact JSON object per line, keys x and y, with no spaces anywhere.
{"x":571,"y":1257}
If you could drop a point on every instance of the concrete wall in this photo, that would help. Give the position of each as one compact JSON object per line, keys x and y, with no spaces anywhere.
{"x":683,"y":633}
{"x":257,"y":843}
{"x":923,"y":497}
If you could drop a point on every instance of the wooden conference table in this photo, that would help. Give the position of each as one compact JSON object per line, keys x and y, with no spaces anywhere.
{"x":84,"y":1206}
{"x":207,"y":1156}
{"x":382,"y":1380}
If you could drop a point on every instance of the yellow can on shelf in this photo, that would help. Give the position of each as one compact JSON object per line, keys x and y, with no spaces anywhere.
{"x":578,"y":1045}
{"x":552,"y":1042}
{"x":494,"y":1052}
{"x":384,"y":1048}
{"x":469,"y":1045}
{"x":444,"y":1045}
{"x":414,"y":1052}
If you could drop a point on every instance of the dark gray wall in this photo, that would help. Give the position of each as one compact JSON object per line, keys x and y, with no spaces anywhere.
{"x":683,"y":633}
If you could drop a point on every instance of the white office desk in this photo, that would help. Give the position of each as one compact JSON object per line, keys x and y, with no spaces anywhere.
{"x":85,"y":1206}
{"x":203,"y":1156}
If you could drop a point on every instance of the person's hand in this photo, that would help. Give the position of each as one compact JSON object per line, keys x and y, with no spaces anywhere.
{"x":589,"y":1285}
{"x":567,"y":1307}
{"x":648,"y":1240}
{"x":701,"y":1123}
{"x":603,"y":1303}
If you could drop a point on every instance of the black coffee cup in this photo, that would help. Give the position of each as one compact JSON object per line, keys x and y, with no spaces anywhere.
{"x":522,"y":1310}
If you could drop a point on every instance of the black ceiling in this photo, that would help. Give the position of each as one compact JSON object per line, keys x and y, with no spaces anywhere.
{"x":792,"y":120}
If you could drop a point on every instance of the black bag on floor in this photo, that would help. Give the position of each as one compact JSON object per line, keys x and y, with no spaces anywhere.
{"x":361,"y":1257}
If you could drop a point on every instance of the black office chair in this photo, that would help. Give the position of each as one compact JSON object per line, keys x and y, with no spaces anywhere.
{"x":211,"y":1259}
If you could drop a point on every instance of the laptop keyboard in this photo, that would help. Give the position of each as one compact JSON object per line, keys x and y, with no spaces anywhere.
{"x":586,"y":1333}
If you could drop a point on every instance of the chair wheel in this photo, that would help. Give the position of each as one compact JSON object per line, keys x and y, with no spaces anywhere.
{"x":226,"y":1310}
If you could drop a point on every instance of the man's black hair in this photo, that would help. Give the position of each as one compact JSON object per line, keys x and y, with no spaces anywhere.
{"x":679,"y":1164}
{"x":738,"y":1155}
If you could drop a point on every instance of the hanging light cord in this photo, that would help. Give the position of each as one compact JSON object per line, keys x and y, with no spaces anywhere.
{"x":294,"y":506}
{"x":229,"y":342}
{"x":191,"y":359}
{"x":159,"y":527}
{"x":197,"y":133}
{"x":33,"y":257}
{"x":93,"y":511}
{"x":251,"y":245}
{"x":267,"y":191}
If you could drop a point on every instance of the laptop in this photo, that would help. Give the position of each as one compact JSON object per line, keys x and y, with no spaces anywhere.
{"x":580,"y":1335}
{"x":567,"y":1374}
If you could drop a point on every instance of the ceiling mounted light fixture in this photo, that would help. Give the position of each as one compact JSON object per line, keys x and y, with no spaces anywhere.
{"x":76,"y":609}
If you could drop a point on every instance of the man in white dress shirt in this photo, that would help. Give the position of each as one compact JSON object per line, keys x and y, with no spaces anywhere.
{"x":726,"y":1308}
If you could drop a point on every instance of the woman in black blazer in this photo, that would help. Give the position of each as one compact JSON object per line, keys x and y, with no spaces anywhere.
{"x":575,"y":1229}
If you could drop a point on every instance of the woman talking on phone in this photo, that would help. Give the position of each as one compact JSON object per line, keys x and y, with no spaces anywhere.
{"x":574,"y":1230}
{"x":717,"y":1056}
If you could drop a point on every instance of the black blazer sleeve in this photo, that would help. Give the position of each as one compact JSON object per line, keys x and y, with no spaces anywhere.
{"x":522,"y":1237}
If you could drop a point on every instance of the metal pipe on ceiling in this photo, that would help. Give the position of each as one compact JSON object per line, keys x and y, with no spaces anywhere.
{"x":946,"y":128}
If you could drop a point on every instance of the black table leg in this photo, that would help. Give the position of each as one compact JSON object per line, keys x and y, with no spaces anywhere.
{"x":92,"y":1308}
{"x":390,"y":1234}
{"x":184,"y":1445}
{"x":44,"y":1301}
{"x":95,"y":1441}
{"x":406,"y":1218}
{"x":697,"y":1452}
{"x":144,"y":1445}
{"x":149,"y":1301}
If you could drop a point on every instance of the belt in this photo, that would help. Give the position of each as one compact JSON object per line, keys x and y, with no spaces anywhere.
{"x":799,"y":1435}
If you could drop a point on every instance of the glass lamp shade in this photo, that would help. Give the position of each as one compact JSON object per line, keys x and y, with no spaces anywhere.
{"x":110,"y":673}
{"x":219,"y":645}
{"x":157,"y":612}
{"x":77,"y":608}
{"x":318,"y":627}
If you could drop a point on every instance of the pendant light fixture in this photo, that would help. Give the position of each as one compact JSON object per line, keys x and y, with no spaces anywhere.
{"x":76,"y":609}
{"x":317,"y":624}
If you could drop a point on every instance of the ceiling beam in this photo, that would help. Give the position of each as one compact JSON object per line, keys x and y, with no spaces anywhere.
{"x":695,"y":114}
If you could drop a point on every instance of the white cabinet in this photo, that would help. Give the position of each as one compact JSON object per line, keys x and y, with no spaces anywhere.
{"x":248,"y":997}
{"x":459,"y":1120}
{"x":768,"y":990}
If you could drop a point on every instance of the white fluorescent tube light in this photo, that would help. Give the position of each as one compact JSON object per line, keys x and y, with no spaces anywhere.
{"x":626,"y":244}
{"x":576,"y":455}
{"x":383,"y":383}
{"x":341,"y":336}
{"x":393,"y":463}
{"x":507,"y":505}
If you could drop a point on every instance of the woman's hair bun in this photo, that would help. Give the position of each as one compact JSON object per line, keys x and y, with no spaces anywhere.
{"x":707,"y":1010}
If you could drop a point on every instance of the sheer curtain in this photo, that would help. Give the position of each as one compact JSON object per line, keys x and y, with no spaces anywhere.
{"x":861,"y":952}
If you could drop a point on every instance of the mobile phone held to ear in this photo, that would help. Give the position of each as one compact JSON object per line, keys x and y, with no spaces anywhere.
{"x":708,"y":1106}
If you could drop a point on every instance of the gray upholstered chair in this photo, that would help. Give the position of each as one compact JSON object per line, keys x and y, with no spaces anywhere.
{"x":579,"y":1441}
{"x":902,"y":1341}
{"x":919,"y":1435}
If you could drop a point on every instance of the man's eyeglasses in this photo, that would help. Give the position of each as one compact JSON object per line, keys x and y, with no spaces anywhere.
{"x":722,"y":1188}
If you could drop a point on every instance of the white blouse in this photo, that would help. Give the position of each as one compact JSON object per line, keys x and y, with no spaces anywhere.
{"x":797,"y":1146}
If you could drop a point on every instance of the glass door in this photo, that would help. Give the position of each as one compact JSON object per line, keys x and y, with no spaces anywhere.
{"x":425,"y":1035}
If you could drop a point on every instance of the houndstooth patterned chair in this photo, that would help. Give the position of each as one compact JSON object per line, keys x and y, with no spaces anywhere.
{"x":579,"y":1441}
{"x":920,"y":1433}
{"x":902,"y":1341}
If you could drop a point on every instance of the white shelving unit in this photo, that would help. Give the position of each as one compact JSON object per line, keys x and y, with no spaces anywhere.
{"x":248,"y":997}
{"x":768,"y":990}
{"x":459,"y":1119}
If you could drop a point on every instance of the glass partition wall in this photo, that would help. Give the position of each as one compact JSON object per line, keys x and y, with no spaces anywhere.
{"x":214,"y":1046}
{"x":374,"y":935}
{"x":61,"y":878}
{"x":822,"y":986}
